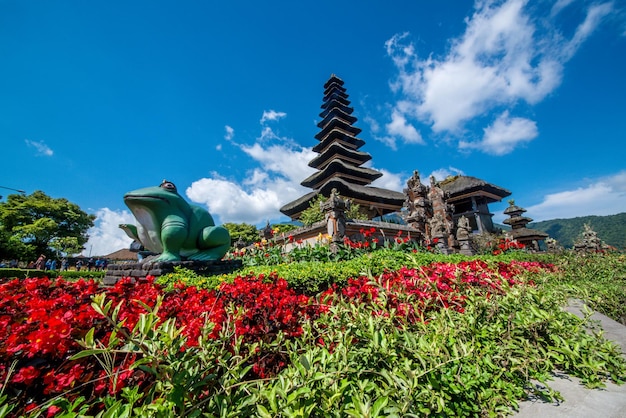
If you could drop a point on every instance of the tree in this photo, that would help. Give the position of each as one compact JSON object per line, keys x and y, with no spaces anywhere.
{"x":246,"y":232}
{"x":314,"y":212}
{"x":38,"y":224}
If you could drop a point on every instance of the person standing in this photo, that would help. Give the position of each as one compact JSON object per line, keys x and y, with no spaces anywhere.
{"x":40,"y":264}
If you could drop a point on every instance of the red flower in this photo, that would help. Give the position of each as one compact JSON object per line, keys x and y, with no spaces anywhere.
{"x":26,"y":375}
{"x":52,"y":411}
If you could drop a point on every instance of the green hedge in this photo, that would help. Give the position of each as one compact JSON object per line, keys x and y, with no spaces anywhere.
{"x":311,"y":277}
{"x":68,"y":275}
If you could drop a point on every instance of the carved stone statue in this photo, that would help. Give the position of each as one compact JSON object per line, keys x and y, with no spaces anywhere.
{"x":463,"y":229}
{"x":171,"y":227}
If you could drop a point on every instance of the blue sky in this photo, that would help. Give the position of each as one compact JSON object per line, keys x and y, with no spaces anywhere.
{"x":222,"y":98}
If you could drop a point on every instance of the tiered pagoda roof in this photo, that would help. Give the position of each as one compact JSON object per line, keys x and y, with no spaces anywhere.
{"x":518,"y":223}
{"x":339,"y":161}
{"x":461,"y":187}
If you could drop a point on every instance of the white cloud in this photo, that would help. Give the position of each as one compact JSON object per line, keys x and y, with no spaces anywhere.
{"x":40,"y":147}
{"x":390,"y":141}
{"x":105,"y":236}
{"x":400,"y":127}
{"x":560,"y":5}
{"x":605,"y":196}
{"x":504,"y":135}
{"x":267,"y":134}
{"x":504,"y":57}
{"x":230,"y":133}
{"x":288,"y":161}
{"x":390,"y":181}
{"x":266,"y":188}
{"x":595,"y":14}
{"x":272,"y":115}
{"x":442,"y":174}
{"x":228,"y":201}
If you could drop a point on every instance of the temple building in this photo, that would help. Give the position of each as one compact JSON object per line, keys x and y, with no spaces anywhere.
{"x":471,"y":197}
{"x":339,"y":162}
{"x":532,"y":238}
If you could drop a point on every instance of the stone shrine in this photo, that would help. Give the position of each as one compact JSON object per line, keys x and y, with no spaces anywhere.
{"x":431,"y":212}
{"x":531,"y":238}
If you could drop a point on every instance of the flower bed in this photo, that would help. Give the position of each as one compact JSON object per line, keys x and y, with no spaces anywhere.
{"x":62,"y":348}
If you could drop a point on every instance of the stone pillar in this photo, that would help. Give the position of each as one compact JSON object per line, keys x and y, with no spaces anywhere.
{"x":439,"y":234}
{"x":441,"y":222}
{"x":418,"y":206}
{"x":335,"y":208}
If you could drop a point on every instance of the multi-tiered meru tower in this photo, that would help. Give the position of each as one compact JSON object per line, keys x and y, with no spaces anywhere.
{"x":339,"y":161}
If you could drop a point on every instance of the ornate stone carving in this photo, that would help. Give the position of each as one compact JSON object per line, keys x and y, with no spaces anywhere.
{"x":335,"y":208}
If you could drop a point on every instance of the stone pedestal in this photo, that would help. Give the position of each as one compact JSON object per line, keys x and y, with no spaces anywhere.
{"x":442,"y":246}
{"x":137,"y":271}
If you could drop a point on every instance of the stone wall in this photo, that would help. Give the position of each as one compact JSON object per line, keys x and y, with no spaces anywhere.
{"x":148,"y":268}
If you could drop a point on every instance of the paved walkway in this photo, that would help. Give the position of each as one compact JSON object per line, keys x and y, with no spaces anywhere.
{"x":609,"y":402}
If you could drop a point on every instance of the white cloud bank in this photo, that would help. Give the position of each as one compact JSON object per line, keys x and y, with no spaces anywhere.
{"x":605,"y":196}
{"x":505,"y":56}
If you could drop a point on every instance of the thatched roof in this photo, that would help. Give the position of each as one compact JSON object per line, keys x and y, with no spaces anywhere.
{"x":385,"y":200}
{"x":463,"y":186}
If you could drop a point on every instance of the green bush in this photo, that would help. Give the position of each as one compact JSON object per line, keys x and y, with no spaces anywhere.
{"x":362,"y":359}
{"x":599,"y":279}
{"x":68,"y":274}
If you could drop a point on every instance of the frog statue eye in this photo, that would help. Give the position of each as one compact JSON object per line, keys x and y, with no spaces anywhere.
{"x":169,"y":186}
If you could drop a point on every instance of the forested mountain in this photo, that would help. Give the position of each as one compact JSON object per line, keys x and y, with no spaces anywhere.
{"x":611,"y":229}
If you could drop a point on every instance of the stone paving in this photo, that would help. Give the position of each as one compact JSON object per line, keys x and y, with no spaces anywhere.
{"x":580,"y":402}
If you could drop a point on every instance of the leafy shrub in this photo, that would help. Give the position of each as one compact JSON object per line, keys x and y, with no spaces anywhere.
{"x":599,"y":279}
{"x":436,"y":337}
{"x":68,"y":274}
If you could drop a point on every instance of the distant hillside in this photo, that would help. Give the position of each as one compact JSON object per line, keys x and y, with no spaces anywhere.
{"x":611,"y":229}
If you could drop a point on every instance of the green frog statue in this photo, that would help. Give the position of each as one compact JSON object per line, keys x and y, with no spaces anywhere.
{"x":171,"y":227}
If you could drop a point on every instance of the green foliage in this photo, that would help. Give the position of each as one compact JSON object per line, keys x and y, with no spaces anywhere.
{"x":242,"y":231}
{"x":283,"y":228}
{"x":611,"y":229}
{"x":34,"y":222}
{"x":362,"y":359}
{"x":66,"y":245}
{"x":355,"y":213}
{"x":315,"y":214}
{"x":9,"y":273}
{"x":311,"y":277}
{"x":599,"y":279}
{"x":183,"y":376}
{"x":474,"y":364}
{"x":189,"y":278}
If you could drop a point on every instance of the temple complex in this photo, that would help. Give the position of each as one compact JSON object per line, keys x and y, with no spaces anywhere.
{"x":519,"y":231}
{"x":339,"y":162}
{"x":444,"y":214}
{"x":471,"y":197}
